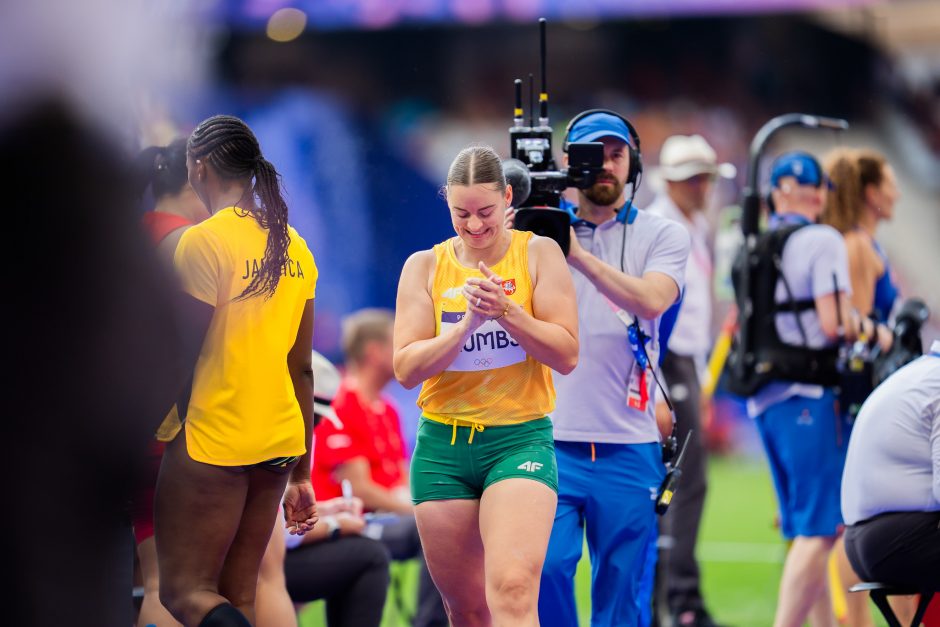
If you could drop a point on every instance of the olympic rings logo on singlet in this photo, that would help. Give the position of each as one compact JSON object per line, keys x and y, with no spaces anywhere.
{"x":489,"y":347}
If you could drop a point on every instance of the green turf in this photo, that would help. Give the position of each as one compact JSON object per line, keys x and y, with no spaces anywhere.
{"x":740,"y":552}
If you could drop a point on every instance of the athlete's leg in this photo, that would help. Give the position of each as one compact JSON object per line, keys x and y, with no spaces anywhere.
{"x":515,"y":523}
{"x":197,"y":512}
{"x":809,"y":443}
{"x":152,"y":611}
{"x":450,"y":535}
{"x":557,"y":607}
{"x":804,"y":583}
{"x":857,"y":606}
{"x":273,"y":606}
{"x":238,"y":581}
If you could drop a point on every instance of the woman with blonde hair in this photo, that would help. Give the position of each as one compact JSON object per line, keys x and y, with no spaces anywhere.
{"x":481,"y":319}
{"x":865,"y":193}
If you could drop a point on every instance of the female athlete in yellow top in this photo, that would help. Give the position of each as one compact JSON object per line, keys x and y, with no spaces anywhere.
{"x":248,"y":281}
{"x":481,"y":318}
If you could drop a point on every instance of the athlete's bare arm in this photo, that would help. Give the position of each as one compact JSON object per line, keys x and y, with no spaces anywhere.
{"x":419,"y":354}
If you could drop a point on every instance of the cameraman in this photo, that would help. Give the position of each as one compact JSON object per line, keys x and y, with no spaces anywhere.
{"x":803,"y":431}
{"x":891,"y":483}
{"x":627,"y":266}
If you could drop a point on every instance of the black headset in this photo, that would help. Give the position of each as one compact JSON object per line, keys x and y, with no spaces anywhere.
{"x":634,"y":174}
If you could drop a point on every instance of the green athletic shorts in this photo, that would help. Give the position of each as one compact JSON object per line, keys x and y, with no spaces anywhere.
{"x":463,"y":470}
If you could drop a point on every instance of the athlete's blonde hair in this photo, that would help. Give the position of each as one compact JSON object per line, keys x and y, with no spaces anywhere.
{"x":851,"y":172}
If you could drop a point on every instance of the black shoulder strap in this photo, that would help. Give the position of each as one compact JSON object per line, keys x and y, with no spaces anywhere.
{"x":780,"y":237}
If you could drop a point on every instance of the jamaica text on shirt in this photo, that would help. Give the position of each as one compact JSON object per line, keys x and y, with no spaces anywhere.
{"x":290,"y":268}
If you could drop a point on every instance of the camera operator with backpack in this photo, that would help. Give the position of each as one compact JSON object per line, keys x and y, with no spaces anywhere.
{"x":802,"y":268}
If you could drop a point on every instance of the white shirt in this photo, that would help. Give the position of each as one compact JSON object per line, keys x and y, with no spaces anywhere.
{"x":691,"y":336}
{"x":592,"y":401}
{"x":893,"y":463}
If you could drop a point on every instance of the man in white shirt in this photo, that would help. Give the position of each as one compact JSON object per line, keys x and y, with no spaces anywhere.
{"x":891,"y":481}
{"x":688,"y":166}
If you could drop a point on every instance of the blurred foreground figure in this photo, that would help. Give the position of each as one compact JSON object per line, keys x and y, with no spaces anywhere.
{"x":891,"y":483}
{"x":87,"y":388}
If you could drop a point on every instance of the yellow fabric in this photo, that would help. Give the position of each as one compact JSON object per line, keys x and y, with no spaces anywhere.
{"x":243,"y":409}
{"x":170,"y":426}
{"x":505,"y":395}
{"x":474,"y":428}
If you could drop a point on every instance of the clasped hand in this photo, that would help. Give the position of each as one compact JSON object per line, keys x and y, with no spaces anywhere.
{"x":486,"y":299}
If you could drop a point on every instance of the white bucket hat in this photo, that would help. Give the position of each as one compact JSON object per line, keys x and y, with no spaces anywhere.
{"x":685,"y":156}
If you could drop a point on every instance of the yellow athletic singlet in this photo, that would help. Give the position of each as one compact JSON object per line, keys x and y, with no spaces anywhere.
{"x":243,"y":409}
{"x":492,"y":381}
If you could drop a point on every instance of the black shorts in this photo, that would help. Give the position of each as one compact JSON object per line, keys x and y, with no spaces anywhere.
{"x":277,"y":465}
{"x":897,"y":548}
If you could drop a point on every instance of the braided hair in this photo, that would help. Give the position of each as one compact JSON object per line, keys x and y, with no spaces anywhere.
{"x":228,"y":145}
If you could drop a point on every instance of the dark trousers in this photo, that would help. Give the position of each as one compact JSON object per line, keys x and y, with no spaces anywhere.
{"x":897,"y":548}
{"x":350,"y":573}
{"x":678,"y":572}
{"x":403,"y":543}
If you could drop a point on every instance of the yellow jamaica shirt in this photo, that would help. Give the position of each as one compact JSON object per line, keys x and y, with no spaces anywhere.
{"x":493,"y":381}
{"x":242,"y":409}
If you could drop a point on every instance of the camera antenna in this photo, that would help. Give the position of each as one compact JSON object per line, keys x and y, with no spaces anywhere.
{"x":531,"y":100}
{"x":543,"y":94}
{"x":517,"y":111}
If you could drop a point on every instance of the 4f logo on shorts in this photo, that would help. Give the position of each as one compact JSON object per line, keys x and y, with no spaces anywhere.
{"x":529,"y":466}
{"x":509,"y":287}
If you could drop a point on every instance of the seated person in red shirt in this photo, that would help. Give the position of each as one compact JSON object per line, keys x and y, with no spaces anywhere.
{"x":368,"y":450}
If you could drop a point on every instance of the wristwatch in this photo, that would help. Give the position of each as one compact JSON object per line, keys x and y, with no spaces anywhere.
{"x":332,"y":527}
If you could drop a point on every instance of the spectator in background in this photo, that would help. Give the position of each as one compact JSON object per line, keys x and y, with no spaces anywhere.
{"x":865,"y":193}
{"x":688,"y":166}
{"x":369,"y":451}
{"x":334,"y":561}
{"x":162,"y":170}
{"x":176,"y":206}
{"x":891,"y":482}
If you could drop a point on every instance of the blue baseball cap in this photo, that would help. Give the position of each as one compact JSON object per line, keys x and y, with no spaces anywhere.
{"x":800,"y":165}
{"x":596,"y":125}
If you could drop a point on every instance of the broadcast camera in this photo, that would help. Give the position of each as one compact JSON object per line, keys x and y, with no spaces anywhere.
{"x":907,"y":344}
{"x":536,"y":182}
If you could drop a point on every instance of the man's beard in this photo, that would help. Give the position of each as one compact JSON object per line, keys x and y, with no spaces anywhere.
{"x":606,"y":194}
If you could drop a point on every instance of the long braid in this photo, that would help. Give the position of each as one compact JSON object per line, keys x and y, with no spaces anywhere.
{"x":226,"y":143}
{"x":274,"y":219}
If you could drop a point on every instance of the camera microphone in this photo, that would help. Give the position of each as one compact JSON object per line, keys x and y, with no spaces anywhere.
{"x":517,"y":175}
